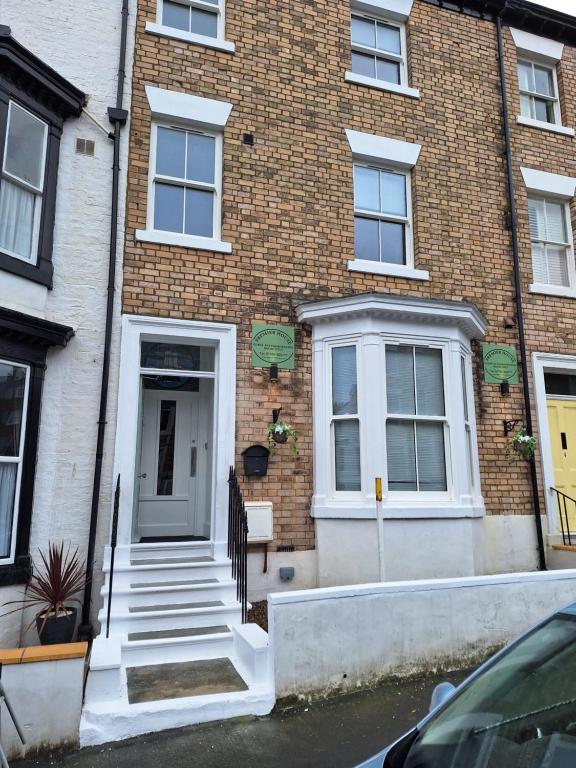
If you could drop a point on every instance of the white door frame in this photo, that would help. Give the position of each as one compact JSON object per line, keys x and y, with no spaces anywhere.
{"x":136,"y":328}
{"x":543,"y":362}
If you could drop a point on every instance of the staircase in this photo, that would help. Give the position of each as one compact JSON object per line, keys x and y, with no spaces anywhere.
{"x":177,"y":651}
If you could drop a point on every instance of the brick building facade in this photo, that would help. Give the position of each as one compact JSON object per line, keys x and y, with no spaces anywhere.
{"x":287,"y":234}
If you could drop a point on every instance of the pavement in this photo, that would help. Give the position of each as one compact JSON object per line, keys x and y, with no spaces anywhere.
{"x":334,"y":733}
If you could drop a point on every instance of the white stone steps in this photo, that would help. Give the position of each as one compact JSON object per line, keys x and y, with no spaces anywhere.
{"x":127,"y":574}
{"x":126,"y":622}
{"x":199,"y":590}
{"x":177,"y":649}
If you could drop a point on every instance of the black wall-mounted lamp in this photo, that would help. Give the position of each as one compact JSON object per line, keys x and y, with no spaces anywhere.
{"x":505,"y":388}
{"x":274,"y":372}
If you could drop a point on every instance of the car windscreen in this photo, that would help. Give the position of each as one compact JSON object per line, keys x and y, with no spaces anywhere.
{"x":520,"y":712}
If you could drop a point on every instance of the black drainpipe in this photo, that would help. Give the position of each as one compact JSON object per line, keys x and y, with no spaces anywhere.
{"x":518,"y":283}
{"x":118,"y":117}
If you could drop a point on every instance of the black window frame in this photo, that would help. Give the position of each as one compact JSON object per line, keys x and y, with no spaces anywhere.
{"x":31,"y":84}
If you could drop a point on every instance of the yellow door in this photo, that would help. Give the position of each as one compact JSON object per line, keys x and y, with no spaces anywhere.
{"x":562,"y":425}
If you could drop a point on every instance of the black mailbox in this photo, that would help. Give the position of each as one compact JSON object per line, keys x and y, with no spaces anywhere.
{"x":255,"y":461}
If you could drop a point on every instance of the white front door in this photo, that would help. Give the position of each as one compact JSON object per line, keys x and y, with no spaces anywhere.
{"x":174,"y":466}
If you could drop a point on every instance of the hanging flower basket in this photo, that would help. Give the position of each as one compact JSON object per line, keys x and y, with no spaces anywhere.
{"x":279,"y":432}
{"x":520,"y":446}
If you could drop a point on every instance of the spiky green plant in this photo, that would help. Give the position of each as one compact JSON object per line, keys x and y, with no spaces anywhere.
{"x":58,"y":580}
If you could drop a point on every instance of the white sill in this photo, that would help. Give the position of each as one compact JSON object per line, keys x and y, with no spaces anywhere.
{"x":190,"y":37}
{"x":552,"y":127}
{"x":553,"y":290}
{"x":183,"y":241}
{"x":382,"y":85}
{"x":391,"y":270}
{"x":392,"y":511}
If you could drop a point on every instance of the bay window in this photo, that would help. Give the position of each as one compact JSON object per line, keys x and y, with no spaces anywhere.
{"x":392,"y":398}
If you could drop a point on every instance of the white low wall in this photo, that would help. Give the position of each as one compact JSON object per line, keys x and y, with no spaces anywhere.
{"x":340,"y":638}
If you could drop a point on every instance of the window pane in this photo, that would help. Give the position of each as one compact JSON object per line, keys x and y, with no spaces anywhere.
{"x":393,"y":241}
{"x":366,"y":239}
{"x":526,"y":107}
{"x":170,"y":152}
{"x":347,"y":455}
{"x":563,"y":384}
{"x":525,"y":77}
{"x":544,"y":80}
{"x":363,"y":31}
{"x":344,"y":393}
{"x":536,"y":219}
{"x":400,"y":379}
{"x":201,"y":158}
{"x":25,"y":146}
{"x":8,"y":477}
{"x":539,"y":267}
{"x":401,"y":456}
{"x":557,"y":258}
{"x":166,"y":442}
{"x":17,"y":209}
{"x":199,"y":213}
{"x":556,"y":224}
{"x":393,"y":193}
{"x":168,"y":207}
{"x":431,"y":461}
{"x":366,"y":188}
{"x":176,"y":357}
{"x":204,"y":23}
{"x":388,"y":38}
{"x":12,"y":388}
{"x":363,"y":64}
{"x":176,"y":15}
{"x":429,"y":382}
{"x":543,"y":110}
{"x":389,"y":71}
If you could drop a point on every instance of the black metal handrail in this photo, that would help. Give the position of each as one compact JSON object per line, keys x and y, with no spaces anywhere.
{"x":238,"y":541}
{"x":113,"y":540}
{"x":563,"y":503}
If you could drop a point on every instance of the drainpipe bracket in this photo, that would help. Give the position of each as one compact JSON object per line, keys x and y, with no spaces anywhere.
{"x":116,"y":115}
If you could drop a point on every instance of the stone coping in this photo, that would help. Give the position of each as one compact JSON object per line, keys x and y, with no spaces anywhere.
{"x":36,"y":653}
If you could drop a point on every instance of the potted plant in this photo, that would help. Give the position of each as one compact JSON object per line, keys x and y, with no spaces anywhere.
{"x":54,"y":585}
{"x":280,"y":432}
{"x":520,"y":446}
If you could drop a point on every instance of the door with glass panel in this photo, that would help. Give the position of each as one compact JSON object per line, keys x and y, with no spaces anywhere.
{"x":561,"y":405}
{"x":13,"y":399}
{"x":174,"y":476}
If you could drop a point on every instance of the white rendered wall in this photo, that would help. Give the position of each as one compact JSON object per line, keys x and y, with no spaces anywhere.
{"x":47,"y":699}
{"x":343,"y":637}
{"x":260,"y":584}
{"x":82,"y":44}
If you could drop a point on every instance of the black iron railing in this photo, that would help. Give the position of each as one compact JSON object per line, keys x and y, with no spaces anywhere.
{"x":565,"y":505}
{"x":113,"y":540}
{"x":238,"y":541}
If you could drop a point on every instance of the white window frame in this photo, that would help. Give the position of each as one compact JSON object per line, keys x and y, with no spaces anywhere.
{"x":568,"y":245}
{"x":532,"y":95}
{"x":558,"y":189}
{"x":350,"y":342}
{"x":38,"y":192}
{"x":379,"y":216}
{"x":370,"y":322}
{"x":19,"y":460}
{"x":415,"y":418}
{"x":173,"y":109}
{"x":218,"y":42}
{"x":378,"y":53}
{"x":216,"y":187}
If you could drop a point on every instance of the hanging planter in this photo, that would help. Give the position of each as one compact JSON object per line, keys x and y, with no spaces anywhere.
{"x":520,"y":446}
{"x":279,"y":432}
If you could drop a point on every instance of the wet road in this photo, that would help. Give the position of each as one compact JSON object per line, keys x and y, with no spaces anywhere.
{"x":338,"y":733}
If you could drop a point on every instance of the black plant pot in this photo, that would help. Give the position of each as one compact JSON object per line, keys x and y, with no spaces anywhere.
{"x":57,"y":629}
{"x":280,"y":437}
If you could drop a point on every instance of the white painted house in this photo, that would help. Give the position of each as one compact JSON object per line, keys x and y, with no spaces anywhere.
{"x":58,"y":77}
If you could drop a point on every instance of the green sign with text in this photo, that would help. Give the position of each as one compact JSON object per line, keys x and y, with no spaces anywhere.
{"x":272,"y":344}
{"x":500,"y":363}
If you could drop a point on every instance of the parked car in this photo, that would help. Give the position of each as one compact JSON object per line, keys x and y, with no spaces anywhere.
{"x":518,"y":710}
